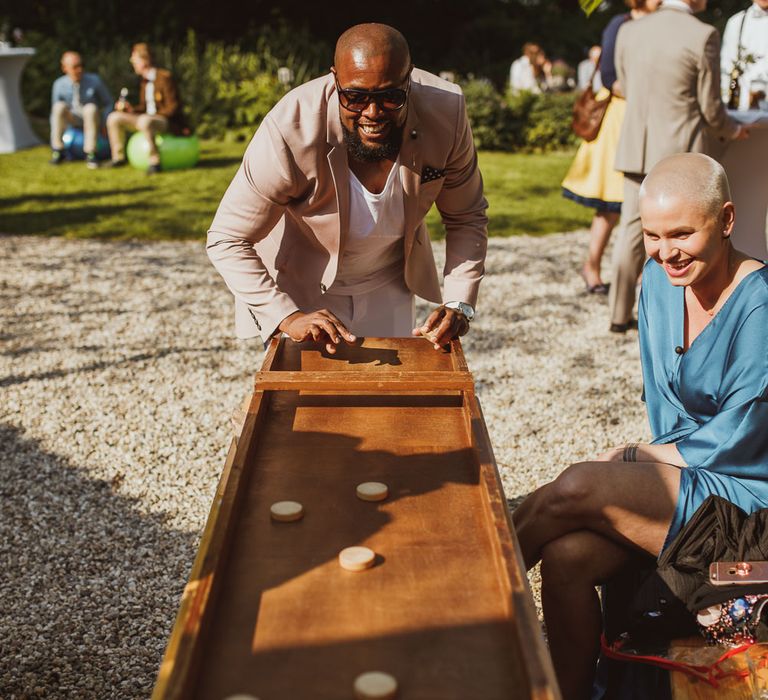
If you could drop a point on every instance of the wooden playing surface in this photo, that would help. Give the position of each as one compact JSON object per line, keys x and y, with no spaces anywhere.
{"x":446,"y":608}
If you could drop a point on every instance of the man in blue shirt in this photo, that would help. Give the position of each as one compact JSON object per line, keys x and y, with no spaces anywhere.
{"x":75,"y":100}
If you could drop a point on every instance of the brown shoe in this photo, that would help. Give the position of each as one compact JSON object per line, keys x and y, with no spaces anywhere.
{"x":624,"y":327}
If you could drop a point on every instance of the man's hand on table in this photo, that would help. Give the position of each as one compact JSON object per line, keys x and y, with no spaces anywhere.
{"x":321,"y":326}
{"x":442,"y":326}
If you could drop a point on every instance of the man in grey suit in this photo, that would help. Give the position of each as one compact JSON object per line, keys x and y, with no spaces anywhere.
{"x":668,"y":66}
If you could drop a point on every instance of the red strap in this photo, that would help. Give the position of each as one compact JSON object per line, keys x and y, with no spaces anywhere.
{"x":709,"y":674}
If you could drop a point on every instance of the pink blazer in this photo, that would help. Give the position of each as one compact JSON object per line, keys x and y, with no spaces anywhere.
{"x":281,"y":227}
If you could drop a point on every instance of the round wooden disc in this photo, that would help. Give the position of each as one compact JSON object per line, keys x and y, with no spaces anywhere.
{"x":375,"y":685}
{"x":372,"y":491}
{"x":356,"y":558}
{"x":286,"y":511}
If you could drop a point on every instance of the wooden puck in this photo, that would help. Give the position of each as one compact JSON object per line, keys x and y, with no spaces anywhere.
{"x":286,"y":511}
{"x":375,"y":685}
{"x":356,"y":558}
{"x":372,"y":491}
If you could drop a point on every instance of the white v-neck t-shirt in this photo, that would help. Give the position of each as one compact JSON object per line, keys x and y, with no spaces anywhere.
{"x":374,"y":252}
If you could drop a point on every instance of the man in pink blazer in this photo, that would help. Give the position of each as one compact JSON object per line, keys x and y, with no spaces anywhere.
{"x":321,"y":232}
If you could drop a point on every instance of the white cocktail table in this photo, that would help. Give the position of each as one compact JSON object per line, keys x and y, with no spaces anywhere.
{"x":15,"y":132}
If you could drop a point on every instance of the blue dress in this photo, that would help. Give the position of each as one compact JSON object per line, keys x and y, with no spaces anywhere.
{"x":712,"y":400}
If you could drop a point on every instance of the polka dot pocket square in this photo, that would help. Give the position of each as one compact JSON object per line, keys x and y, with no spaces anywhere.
{"x":429,"y":173}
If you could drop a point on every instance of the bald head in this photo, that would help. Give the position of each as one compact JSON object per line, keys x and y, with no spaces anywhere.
{"x":69,"y":57}
{"x":363,"y":42}
{"x":72,"y":65}
{"x":694,"y":178}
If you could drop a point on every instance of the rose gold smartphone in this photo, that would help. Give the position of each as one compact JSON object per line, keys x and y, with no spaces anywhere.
{"x":727,"y":573}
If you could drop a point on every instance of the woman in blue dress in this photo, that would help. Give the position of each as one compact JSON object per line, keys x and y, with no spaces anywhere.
{"x":703,"y":326}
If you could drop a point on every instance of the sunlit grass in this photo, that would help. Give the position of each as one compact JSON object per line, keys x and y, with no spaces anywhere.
{"x":69,"y":200}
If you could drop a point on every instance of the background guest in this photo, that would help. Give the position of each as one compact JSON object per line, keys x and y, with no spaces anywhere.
{"x":746,"y":34}
{"x":543,"y":72}
{"x":658,"y":59}
{"x":159,"y":109}
{"x":523,"y":71}
{"x":586,"y":71}
{"x":592,"y":179}
{"x":76,"y":98}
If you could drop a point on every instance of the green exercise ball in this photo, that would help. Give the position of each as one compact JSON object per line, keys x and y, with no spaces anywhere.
{"x":176,"y":152}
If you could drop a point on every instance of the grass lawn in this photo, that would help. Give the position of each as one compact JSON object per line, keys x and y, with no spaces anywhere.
{"x":523,"y":192}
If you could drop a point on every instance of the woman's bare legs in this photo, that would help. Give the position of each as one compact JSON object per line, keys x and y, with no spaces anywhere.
{"x":603,"y":223}
{"x":629,"y":503}
{"x":584,"y":527}
{"x":571,"y":567}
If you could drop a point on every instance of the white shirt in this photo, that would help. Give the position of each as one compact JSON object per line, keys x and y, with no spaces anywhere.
{"x":149,"y":91}
{"x":678,"y":5}
{"x":584,"y":73}
{"x":521,"y":76}
{"x":77,"y":105}
{"x":374,"y":253}
{"x":754,"y":40}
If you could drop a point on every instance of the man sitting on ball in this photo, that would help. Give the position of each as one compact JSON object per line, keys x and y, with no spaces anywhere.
{"x":159,"y":109}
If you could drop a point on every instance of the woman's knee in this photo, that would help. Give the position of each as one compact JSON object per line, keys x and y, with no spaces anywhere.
{"x":571,"y":493}
{"x":567,"y":559}
{"x":581,"y":557}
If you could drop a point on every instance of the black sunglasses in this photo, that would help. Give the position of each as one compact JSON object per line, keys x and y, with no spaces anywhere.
{"x":389,"y":100}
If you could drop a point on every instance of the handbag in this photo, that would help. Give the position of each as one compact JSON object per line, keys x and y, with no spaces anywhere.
{"x":588,"y":112}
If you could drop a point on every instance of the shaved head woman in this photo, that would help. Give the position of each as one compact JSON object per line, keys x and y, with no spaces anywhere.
{"x":703,"y":327}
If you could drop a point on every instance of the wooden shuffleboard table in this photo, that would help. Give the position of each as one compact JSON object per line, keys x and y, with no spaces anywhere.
{"x":445,"y":610}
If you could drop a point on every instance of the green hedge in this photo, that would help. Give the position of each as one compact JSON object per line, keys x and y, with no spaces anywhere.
{"x":521,"y":122}
{"x":227,"y":90}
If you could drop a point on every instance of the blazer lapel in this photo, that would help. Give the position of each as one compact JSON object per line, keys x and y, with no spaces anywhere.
{"x":337,"y":161}
{"x":410,"y":172}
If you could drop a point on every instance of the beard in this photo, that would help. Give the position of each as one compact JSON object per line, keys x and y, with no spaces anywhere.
{"x":372,"y":154}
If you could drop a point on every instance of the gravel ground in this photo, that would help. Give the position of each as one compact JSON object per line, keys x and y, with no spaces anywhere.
{"x":118,"y":375}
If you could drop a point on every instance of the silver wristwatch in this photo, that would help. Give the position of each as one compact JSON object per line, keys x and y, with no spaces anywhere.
{"x":461,"y":307}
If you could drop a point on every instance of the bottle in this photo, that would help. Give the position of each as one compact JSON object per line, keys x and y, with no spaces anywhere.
{"x":734,"y":90}
{"x":121,"y":102}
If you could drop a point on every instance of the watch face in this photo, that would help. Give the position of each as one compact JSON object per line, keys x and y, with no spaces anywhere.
{"x":466,"y":309}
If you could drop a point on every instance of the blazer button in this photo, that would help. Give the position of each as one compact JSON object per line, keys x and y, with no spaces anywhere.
{"x":323,"y":288}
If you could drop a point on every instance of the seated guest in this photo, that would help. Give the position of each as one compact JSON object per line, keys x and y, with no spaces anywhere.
{"x":159,"y":109}
{"x":523,"y":71}
{"x":703,"y":328}
{"x":76,"y":98}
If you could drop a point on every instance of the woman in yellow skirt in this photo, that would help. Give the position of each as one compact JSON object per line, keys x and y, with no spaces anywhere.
{"x":592,"y":179}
